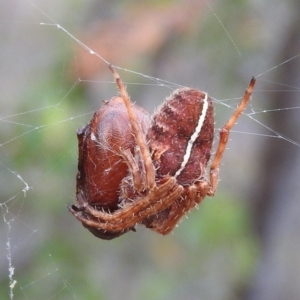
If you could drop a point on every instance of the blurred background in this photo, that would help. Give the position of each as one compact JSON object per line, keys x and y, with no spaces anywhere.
{"x":242,"y":244}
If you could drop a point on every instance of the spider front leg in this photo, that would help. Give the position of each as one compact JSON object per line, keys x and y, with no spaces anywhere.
{"x":191,"y":197}
{"x":131,"y":214}
{"x":140,"y":139}
{"x":224,"y":133}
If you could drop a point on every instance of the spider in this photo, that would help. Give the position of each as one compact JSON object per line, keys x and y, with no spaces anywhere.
{"x":136,"y":170}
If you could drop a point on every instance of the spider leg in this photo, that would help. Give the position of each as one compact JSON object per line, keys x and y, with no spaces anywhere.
{"x":137,"y":206}
{"x":140,"y":140}
{"x":178,"y":210}
{"x":224,"y":133}
{"x":131,"y":214}
{"x":193,"y":195}
{"x":137,"y":177}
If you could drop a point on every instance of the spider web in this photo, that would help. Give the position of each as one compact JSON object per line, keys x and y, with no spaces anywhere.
{"x":49,"y":89}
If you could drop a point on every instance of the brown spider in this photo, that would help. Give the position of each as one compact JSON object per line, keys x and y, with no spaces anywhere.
{"x":133,"y":170}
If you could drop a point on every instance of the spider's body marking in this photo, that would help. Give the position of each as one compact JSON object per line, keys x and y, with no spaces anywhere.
{"x":93,"y":137}
{"x":194,"y":136}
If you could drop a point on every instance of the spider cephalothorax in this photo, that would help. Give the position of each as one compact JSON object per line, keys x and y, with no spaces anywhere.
{"x":135,"y":171}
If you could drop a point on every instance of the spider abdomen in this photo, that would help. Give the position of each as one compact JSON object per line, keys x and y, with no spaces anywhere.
{"x":101,"y":167}
{"x":181,"y":135}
